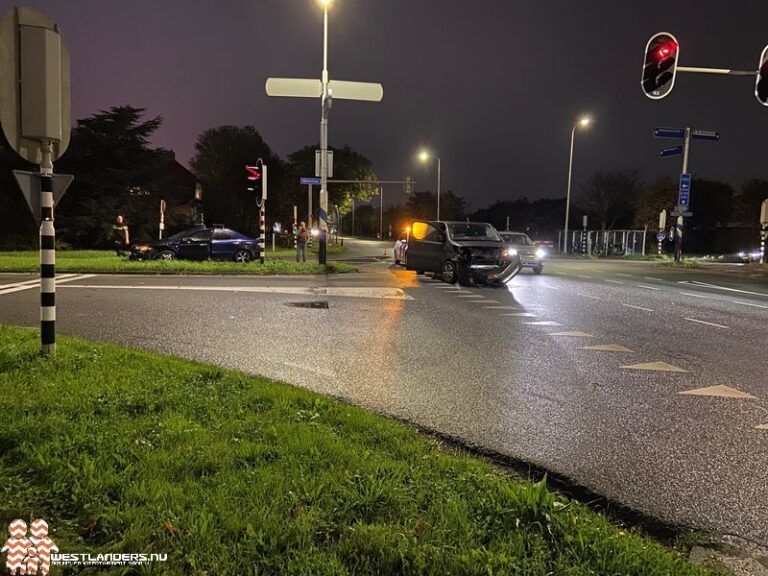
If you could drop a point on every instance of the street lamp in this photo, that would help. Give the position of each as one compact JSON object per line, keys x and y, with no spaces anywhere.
{"x":424,"y":156}
{"x":583,"y":122}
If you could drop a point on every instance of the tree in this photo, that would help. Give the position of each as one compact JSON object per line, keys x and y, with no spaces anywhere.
{"x":711,"y":204}
{"x":348,"y":164}
{"x":519,"y":212}
{"x":747,"y":207}
{"x":608,"y":197}
{"x":221,"y":155}
{"x":116,"y":172}
{"x":660,"y":195}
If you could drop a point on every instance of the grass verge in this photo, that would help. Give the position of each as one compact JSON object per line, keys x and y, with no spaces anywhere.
{"x":127,"y":451}
{"x":106,"y":262}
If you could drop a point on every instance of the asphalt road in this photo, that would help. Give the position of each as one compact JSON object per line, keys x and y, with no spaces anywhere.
{"x":645,"y":384}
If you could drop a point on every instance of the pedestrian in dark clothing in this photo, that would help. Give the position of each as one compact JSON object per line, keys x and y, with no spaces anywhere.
{"x":302,"y":236}
{"x":120,"y":235}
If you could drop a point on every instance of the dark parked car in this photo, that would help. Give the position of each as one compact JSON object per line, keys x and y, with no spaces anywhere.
{"x":212,"y":243}
{"x":467,"y":252}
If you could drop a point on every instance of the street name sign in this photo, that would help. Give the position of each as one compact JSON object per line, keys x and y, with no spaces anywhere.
{"x":671,"y":151}
{"x":669,"y":132}
{"x":309,"y":181}
{"x":682,"y":213}
{"x":705,"y":135}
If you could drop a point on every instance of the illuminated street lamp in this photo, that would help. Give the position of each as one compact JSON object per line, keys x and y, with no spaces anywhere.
{"x":424,"y":156}
{"x":583,"y":122}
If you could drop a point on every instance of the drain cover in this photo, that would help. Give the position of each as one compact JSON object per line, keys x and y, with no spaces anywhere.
{"x":315,"y":304}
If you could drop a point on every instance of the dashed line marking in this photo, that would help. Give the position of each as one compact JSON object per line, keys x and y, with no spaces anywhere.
{"x":648,"y":287}
{"x":524,"y":314}
{"x":696,"y":295}
{"x":655,"y":366}
{"x":638,"y":307}
{"x":543,"y":323}
{"x":749,"y":304}
{"x":572,"y":334}
{"x":612,"y":281}
{"x":469,"y":296}
{"x":501,"y":307}
{"x":623,"y":275}
{"x":706,"y":323}
{"x":583,"y":276}
{"x":607,"y":348}
{"x":484,"y":301}
{"x":721,"y":391}
{"x":762,"y":427}
{"x":652,"y":278}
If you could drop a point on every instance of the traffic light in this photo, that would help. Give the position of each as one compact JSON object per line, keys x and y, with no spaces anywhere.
{"x":254,"y":175}
{"x":761,"y":86}
{"x":660,"y":66}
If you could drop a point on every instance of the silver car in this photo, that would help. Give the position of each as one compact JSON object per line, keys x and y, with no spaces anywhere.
{"x":531,"y":256}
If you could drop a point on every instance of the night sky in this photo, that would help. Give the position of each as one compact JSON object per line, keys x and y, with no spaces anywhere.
{"x":492,"y":86}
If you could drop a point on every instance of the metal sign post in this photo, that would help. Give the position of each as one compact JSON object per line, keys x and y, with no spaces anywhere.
{"x":35,"y":117}
{"x":326,"y":90}
{"x":162,"y":218}
{"x":764,"y":229}
{"x":662,"y":227}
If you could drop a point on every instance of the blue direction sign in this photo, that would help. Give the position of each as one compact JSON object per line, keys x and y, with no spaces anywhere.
{"x":669,"y":132}
{"x":671,"y":151}
{"x":684,"y":194}
{"x":705,"y":135}
{"x":307,"y":180}
{"x":660,"y":236}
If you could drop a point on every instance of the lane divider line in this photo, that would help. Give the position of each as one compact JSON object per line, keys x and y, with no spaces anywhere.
{"x":707,"y":323}
{"x":638,"y":307}
{"x":715,"y":286}
{"x":648,"y":287}
{"x":612,"y":281}
{"x":749,"y":304}
{"x":696,"y":295}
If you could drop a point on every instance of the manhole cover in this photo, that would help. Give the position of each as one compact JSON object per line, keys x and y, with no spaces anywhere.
{"x":316,"y":304}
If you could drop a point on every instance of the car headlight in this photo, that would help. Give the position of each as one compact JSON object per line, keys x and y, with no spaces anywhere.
{"x":742,"y":254}
{"x":510,"y":252}
{"x":142,"y":248}
{"x":540,"y":253}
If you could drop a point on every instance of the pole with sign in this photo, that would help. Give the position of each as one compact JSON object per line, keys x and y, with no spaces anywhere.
{"x":763,"y":229}
{"x":162,"y":218}
{"x":35,"y":117}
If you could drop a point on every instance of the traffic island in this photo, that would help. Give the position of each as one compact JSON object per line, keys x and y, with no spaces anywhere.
{"x":106,"y":262}
{"x":123,"y":451}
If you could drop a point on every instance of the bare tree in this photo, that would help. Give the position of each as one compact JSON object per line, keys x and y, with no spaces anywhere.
{"x":609,"y":197}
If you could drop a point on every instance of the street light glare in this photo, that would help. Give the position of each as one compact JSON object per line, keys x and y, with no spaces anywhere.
{"x":325,"y":3}
{"x":586,"y":121}
{"x":423,"y":156}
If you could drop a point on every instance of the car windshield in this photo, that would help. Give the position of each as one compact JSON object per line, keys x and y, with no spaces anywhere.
{"x":180,"y":235}
{"x":473,"y":231}
{"x":520,"y":239}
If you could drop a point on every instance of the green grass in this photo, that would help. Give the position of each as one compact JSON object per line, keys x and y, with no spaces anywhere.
{"x":103,"y":261}
{"x":121,"y":450}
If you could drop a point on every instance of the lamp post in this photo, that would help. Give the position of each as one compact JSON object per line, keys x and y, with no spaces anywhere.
{"x":424,"y":156}
{"x":325,"y":103}
{"x":582,"y":123}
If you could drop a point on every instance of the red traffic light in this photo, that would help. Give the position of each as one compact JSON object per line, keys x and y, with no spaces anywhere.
{"x":667,"y":50}
{"x":253,"y":172}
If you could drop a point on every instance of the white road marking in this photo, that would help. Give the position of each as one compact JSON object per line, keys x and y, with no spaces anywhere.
{"x":587,"y":296}
{"x":525,"y":314}
{"x":501,"y":307}
{"x":583,"y":276}
{"x":361,"y":292}
{"x":696,"y":295}
{"x":638,"y":307}
{"x":551,"y":287}
{"x":484,"y":301}
{"x":469,"y":296}
{"x":31,"y":284}
{"x":648,"y":287}
{"x":715,"y":286}
{"x":613,"y":281}
{"x":652,"y":278}
{"x":707,"y":323}
{"x":544,"y":323}
{"x":749,"y":304}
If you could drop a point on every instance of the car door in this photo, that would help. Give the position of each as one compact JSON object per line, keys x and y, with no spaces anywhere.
{"x":425,"y":247}
{"x":196,"y":246}
{"x":223,"y":244}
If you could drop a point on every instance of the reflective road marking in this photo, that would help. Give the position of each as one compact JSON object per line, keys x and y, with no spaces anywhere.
{"x":656,"y":366}
{"x":707,"y":323}
{"x":721,"y":391}
{"x":544,"y":323}
{"x":572,"y":334}
{"x":648,"y":287}
{"x":637,"y":307}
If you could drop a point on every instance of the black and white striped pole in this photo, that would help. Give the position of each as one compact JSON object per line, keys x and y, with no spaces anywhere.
{"x":764,"y":227}
{"x":262,"y":214}
{"x":47,"y":256}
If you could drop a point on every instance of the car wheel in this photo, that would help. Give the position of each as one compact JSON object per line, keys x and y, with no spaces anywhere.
{"x":538,"y":269}
{"x":166,"y":255}
{"x":242,"y":256}
{"x":449,"y":272}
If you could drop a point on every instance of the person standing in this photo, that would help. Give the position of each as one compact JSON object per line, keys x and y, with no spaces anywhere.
{"x":302,"y":236}
{"x":120,"y":235}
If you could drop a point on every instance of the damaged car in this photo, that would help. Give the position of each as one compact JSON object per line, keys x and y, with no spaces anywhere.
{"x":471,"y":253}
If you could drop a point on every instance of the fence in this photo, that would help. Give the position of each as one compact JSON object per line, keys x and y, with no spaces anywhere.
{"x":604,"y":242}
